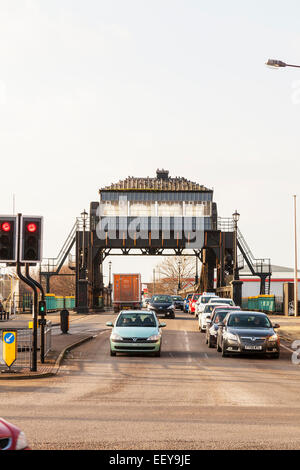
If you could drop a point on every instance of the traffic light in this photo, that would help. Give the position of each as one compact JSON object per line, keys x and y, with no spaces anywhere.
{"x":31,"y":239}
{"x":8,"y":239}
{"x":42,"y":307}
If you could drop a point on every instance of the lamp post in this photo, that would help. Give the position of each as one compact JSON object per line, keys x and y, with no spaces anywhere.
{"x":296,"y":269}
{"x":84,"y":215}
{"x":109,"y":283}
{"x":236,"y":217}
{"x":179,"y":281}
{"x":196,"y":276}
{"x":280,"y":64}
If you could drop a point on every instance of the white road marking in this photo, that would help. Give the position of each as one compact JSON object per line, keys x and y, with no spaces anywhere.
{"x":187,"y":345}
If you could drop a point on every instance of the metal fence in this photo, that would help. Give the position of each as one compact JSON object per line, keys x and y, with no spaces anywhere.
{"x":24,"y":345}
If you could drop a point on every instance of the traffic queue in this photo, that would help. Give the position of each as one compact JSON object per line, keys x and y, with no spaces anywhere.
{"x":226,"y":327}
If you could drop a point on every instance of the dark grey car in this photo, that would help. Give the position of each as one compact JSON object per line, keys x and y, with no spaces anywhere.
{"x":162,"y":305}
{"x":247,"y":333}
{"x":212,"y":326}
{"x":178,"y":301}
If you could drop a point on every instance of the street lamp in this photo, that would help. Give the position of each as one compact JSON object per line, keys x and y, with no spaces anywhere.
{"x":296,"y":269}
{"x":109,"y":283}
{"x":279,"y":64}
{"x":236,"y":217}
{"x":179,"y":283}
{"x":196,"y":275}
{"x":84,"y":215}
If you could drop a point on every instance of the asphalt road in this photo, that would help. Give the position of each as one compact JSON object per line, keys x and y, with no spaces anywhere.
{"x":189,"y":398}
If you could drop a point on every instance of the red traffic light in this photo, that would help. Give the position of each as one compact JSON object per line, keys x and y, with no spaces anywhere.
{"x":31,"y":227}
{"x":6,"y":227}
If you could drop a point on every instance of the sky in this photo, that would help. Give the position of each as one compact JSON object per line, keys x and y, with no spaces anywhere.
{"x":92,"y":92}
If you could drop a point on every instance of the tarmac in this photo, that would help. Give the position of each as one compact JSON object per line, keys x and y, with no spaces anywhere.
{"x":62,"y":343}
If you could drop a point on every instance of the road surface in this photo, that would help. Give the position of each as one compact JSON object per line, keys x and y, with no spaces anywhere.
{"x":189,"y":398}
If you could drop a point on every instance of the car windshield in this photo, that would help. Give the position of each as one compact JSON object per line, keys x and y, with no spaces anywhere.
{"x":208,"y":308}
{"x":222,"y":301}
{"x":136,"y":319}
{"x":220,"y":316}
{"x":248,"y":321}
{"x":177,"y":297}
{"x":204,"y":300}
{"x":162,"y":298}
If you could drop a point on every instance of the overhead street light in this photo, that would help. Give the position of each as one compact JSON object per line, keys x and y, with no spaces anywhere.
{"x":279,"y":64}
{"x":235,"y":217}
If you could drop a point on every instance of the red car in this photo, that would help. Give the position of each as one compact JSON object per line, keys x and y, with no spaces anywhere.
{"x":192,"y":302}
{"x":11,"y":437}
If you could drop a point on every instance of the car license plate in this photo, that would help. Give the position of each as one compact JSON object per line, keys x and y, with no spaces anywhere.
{"x":254,"y":348}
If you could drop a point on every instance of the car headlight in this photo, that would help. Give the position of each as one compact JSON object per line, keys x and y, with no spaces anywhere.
{"x":273,"y":337}
{"x":232,"y":336}
{"x":21,"y":441}
{"x":154,"y":338}
{"x":116,"y":337}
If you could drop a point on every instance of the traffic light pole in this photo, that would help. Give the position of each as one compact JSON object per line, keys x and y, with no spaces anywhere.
{"x":35,"y":297}
{"x":42,"y":323}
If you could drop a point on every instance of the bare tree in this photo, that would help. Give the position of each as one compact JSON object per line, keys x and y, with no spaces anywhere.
{"x":170,"y":270}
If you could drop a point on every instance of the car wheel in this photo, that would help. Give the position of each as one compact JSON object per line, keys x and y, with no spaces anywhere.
{"x":157,"y":353}
{"x":218,"y":347}
{"x":112,"y":353}
{"x":223,"y":350}
{"x":209,"y":342}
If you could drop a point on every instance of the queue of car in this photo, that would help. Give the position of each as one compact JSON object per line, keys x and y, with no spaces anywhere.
{"x":233,"y":331}
{"x":227,"y":328}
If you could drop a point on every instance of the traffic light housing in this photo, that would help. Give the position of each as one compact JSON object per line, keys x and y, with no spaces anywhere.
{"x":31,"y":239}
{"x":42,"y":307}
{"x":8,"y":239}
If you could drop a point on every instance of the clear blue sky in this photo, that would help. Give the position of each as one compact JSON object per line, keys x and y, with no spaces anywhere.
{"x":94,"y":91}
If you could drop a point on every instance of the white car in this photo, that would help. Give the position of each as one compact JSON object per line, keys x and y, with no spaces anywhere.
{"x":222,"y":301}
{"x":202,"y":301}
{"x":207,"y":312}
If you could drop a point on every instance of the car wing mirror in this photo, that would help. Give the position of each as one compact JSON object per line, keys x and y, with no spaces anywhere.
{"x":276,"y":325}
{"x":109,"y":323}
{"x":162,"y":325}
{"x":221,"y":324}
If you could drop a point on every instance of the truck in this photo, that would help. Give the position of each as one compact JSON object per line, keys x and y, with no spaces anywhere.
{"x":127,"y":292}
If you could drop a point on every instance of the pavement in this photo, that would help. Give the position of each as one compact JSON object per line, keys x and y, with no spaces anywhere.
{"x":60,"y":345}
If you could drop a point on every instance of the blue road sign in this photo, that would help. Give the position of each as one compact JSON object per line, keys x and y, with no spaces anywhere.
{"x":9,"y":338}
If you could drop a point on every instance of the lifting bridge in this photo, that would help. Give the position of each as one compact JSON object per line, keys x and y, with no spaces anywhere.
{"x":155,"y":216}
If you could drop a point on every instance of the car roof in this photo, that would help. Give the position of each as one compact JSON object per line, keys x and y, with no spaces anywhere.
{"x":221,"y":305}
{"x":148,"y":312}
{"x":249,"y":313}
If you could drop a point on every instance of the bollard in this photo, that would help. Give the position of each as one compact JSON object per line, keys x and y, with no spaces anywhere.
{"x":64,"y":321}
